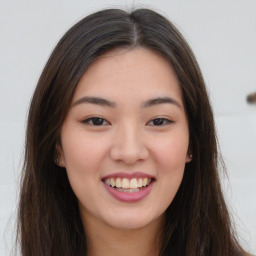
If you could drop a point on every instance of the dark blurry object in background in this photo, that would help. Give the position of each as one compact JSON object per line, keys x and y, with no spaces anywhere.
{"x":251,"y":98}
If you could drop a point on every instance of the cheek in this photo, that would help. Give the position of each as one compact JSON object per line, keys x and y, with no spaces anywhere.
{"x":170,"y":157}
{"x":171,"y":165}
{"x":83,"y":158}
{"x":171,"y":154}
{"x":81,"y":151}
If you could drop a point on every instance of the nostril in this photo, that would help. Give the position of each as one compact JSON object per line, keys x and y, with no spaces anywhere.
{"x":129,"y":154}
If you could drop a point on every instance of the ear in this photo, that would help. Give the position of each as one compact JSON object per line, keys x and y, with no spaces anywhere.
{"x":59,"y":158}
{"x":189,"y":157}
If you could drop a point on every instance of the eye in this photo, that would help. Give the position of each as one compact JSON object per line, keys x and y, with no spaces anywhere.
{"x":159,"y":122}
{"x":95,"y":121}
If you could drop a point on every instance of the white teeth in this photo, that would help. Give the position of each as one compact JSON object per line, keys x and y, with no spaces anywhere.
{"x":128,"y":190}
{"x":107,"y":181}
{"x":139,"y":184}
{"x":133,"y":183}
{"x":125,"y":183}
{"x":113,"y":183}
{"x":118,"y":183}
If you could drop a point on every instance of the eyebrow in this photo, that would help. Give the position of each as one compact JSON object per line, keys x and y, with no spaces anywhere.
{"x":160,"y":100}
{"x":95,"y":100}
{"x":106,"y":103}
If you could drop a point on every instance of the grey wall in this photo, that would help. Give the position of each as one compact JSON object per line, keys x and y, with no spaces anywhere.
{"x":223,"y":37}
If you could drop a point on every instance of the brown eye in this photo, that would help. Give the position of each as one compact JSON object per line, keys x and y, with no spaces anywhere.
{"x":160,"y":122}
{"x":96,"y":121}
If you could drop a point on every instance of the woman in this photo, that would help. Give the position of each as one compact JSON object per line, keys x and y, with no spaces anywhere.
{"x":121,"y":155}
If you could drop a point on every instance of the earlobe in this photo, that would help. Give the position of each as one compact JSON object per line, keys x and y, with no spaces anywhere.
{"x":58,"y":158}
{"x":189,"y":158}
{"x":189,"y":155}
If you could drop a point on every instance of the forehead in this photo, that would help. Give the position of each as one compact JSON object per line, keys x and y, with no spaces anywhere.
{"x":129,"y":73}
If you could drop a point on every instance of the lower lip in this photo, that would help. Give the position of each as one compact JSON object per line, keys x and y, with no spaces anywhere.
{"x":129,"y":197}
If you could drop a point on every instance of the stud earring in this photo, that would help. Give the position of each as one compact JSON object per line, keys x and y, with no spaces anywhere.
{"x":190,"y":156}
{"x":57,"y":160}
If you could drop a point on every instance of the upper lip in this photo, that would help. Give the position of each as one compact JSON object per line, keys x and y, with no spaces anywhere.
{"x":128,"y":175}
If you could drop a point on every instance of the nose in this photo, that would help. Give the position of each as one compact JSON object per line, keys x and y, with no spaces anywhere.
{"x":129,"y":146}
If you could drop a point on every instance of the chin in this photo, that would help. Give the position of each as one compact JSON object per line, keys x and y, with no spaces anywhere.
{"x":129,"y":224}
{"x":130,"y":220}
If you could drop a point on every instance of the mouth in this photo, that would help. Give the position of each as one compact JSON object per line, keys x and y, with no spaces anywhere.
{"x":128,"y":185}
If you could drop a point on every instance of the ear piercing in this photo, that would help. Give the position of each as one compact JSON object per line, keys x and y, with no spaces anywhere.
{"x":57,"y":160}
{"x":190,"y":156}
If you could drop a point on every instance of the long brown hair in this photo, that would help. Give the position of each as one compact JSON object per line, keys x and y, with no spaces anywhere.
{"x":197,"y":221}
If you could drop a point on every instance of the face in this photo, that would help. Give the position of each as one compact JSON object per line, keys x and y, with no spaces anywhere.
{"x":124,"y":142}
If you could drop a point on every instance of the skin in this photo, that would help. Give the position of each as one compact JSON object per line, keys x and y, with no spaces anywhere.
{"x":127,"y":140}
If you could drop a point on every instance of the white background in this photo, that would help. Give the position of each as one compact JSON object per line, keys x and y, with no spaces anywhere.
{"x":223,"y":37}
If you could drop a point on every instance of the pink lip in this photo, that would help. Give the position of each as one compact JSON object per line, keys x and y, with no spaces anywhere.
{"x":128,"y":175}
{"x":129,"y":197}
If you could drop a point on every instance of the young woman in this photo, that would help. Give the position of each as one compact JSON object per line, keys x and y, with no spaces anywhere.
{"x":121,"y":155}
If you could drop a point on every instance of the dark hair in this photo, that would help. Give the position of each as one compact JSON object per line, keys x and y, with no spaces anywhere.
{"x":197,"y":221}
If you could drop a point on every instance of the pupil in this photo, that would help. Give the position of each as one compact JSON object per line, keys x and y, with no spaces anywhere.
{"x":158,"y":121}
{"x":97,"y":121}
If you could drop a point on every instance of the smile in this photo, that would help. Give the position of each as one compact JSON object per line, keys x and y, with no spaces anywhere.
{"x":128,"y":185}
{"x":126,"y":188}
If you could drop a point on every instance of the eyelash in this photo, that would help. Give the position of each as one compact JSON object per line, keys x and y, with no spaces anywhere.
{"x":91,"y":121}
{"x":164,"y":120}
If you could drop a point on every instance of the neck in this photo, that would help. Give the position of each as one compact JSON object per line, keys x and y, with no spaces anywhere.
{"x":105,"y":240}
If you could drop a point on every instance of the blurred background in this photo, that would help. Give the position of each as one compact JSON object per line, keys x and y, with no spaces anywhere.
{"x":222,"y":35}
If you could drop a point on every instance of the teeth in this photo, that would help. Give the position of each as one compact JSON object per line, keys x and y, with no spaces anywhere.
{"x":133,"y":183}
{"x":107,"y":181}
{"x":118,"y":183}
{"x":113,"y":183}
{"x":124,"y":183}
{"x":139,"y":184}
{"x":128,"y":190}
